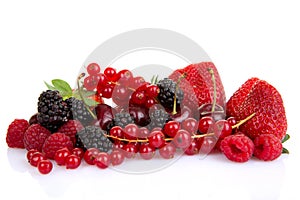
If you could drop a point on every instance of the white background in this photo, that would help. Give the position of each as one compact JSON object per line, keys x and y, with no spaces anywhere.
{"x":42,"y":40}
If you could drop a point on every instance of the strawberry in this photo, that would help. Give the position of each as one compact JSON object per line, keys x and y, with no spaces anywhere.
{"x":259,"y":97}
{"x":197,"y":83}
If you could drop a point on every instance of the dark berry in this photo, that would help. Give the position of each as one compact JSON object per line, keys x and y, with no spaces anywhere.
{"x":158,"y":117}
{"x":122,"y":119}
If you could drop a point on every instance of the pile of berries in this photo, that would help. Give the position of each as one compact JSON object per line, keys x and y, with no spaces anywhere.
{"x":184,"y":112}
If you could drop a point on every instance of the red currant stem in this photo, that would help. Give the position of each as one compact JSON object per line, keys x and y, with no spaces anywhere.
{"x":211,"y":71}
{"x":116,"y":83}
{"x":81,"y":96}
{"x":243,"y":121}
{"x":182,"y":76}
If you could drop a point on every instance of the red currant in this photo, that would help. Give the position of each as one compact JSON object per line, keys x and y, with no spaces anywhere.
{"x":131,"y":131}
{"x":146,"y":151}
{"x":152,"y":91}
{"x":124,"y":76}
{"x":36,"y":158}
{"x":45,"y":166}
{"x":73,"y":162}
{"x":208,"y":145}
{"x":78,"y":152}
{"x":30,"y":153}
{"x":190,"y":125}
{"x":102,"y":160}
{"x":138,"y":97}
{"x":117,"y":157}
{"x":232,"y":121}
{"x":90,"y":155}
{"x":61,"y":155}
{"x":91,"y":82}
{"x":171,"y":128}
{"x":136,"y":82}
{"x":182,"y":139}
{"x":110,"y":72}
{"x":107,"y":91}
{"x":93,"y":69}
{"x":222,"y":128}
{"x":205,"y":123}
{"x":117,"y":132}
{"x":156,"y":139}
{"x":120,"y":95}
{"x":102,"y":82}
{"x":118,"y":145}
{"x":144,"y":132}
{"x":130,"y":150}
{"x":192,"y":149}
{"x":168,"y":151}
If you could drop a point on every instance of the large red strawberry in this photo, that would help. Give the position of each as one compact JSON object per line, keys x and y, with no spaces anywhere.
{"x":198,"y":83}
{"x":259,"y":97}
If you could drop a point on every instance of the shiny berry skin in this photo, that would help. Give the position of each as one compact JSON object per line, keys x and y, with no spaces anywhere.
{"x":232,"y":121}
{"x":93,"y":69}
{"x":117,"y":132}
{"x":36,"y":158}
{"x":136,"y":82}
{"x":156,"y":139}
{"x":118,"y":145}
{"x":117,"y":157}
{"x":138,"y":98}
{"x":102,"y":82}
{"x":190,"y":125}
{"x":146,"y":151}
{"x":152,"y":91}
{"x":107,"y":91}
{"x":131,"y":131}
{"x":192,"y":149}
{"x":121,"y":95}
{"x":61,"y":155}
{"x":144,"y":132}
{"x":167,"y":151}
{"x":102,"y":160}
{"x":91,"y":82}
{"x":78,"y":152}
{"x":90,"y":155}
{"x":222,"y":128}
{"x":150,"y":102}
{"x":30,"y":153}
{"x":45,"y":166}
{"x":208,"y":144}
{"x":124,"y":76}
{"x":171,"y":128}
{"x":110,"y":72}
{"x":72,"y":161}
{"x":182,"y":139}
{"x":130,"y":150}
{"x":205,"y":123}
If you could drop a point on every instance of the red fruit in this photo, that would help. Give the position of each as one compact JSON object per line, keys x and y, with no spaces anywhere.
{"x":45,"y":166}
{"x":267,"y":147}
{"x":55,"y":142}
{"x":93,"y":69}
{"x":198,"y":84}
{"x":146,"y":151}
{"x":72,"y":161}
{"x":193,"y":149}
{"x":15,"y":133}
{"x":168,"y":151}
{"x":182,"y":139}
{"x":117,"y":157}
{"x":238,"y":148}
{"x":190,"y":125}
{"x":35,"y":136}
{"x":205,"y":123}
{"x":78,"y":152}
{"x":70,"y":128}
{"x":36,"y":158}
{"x":102,"y":160}
{"x":222,"y":128}
{"x":90,"y":155}
{"x":30,"y":153}
{"x":61,"y":155}
{"x":110,"y":72}
{"x":266,"y":102}
{"x":91,"y":82}
{"x":171,"y":128}
{"x":130,"y":150}
{"x":156,"y":139}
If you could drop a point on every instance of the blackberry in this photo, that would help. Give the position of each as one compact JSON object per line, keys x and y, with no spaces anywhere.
{"x":122,"y":119}
{"x":93,"y":137}
{"x":168,"y":91}
{"x":52,"y":110}
{"x":159,"y":117}
{"x":79,"y":111}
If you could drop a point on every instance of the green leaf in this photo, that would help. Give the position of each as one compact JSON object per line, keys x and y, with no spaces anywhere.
{"x":50,"y":87}
{"x":63,"y":87}
{"x":286,"y":138}
{"x":285,"y":151}
{"x":90,"y":102}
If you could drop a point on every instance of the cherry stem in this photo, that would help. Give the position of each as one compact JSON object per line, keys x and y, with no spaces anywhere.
{"x":211,"y":71}
{"x":243,"y":121}
{"x":81,"y":96}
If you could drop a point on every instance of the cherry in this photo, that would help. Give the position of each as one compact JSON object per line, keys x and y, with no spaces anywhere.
{"x":140,"y":115}
{"x":204,"y":124}
{"x":102,"y":160}
{"x":110,"y":72}
{"x":73,"y":161}
{"x":167,"y":151}
{"x":190,"y":125}
{"x":36,"y":158}
{"x":152,"y":91}
{"x":30,"y":153}
{"x":104,"y":114}
{"x":93,"y":69}
{"x":131,"y":131}
{"x":45,"y":166}
{"x":222,"y":128}
{"x":156,"y":139}
{"x":146,"y":151}
{"x":117,"y":157}
{"x":78,"y":152}
{"x":171,"y":128}
{"x":182,"y":139}
{"x":61,"y":155}
{"x":90,"y":155}
{"x":150,"y":102}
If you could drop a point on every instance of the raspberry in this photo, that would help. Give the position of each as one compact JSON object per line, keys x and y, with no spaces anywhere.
{"x":55,"y":142}
{"x":35,"y":136}
{"x":267,"y":147}
{"x":238,"y":148}
{"x":15,"y":133}
{"x":70,"y":128}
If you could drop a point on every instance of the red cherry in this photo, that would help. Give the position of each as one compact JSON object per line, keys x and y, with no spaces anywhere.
{"x":90,"y":155}
{"x":73,"y":161}
{"x":93,"y":69}
{"x":102,"y":160}
{"x":45,"y":166}
{"x":61,"y":155}
{"x":156,"y":139}
{"x":171,"y":128}
{"x":150,"y":102}
{"x":205,"y":123}
{"x":182,"y":139}
{"x":167,"y":151}
{"x":117,"y":157}
{"x":146,"y":151}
